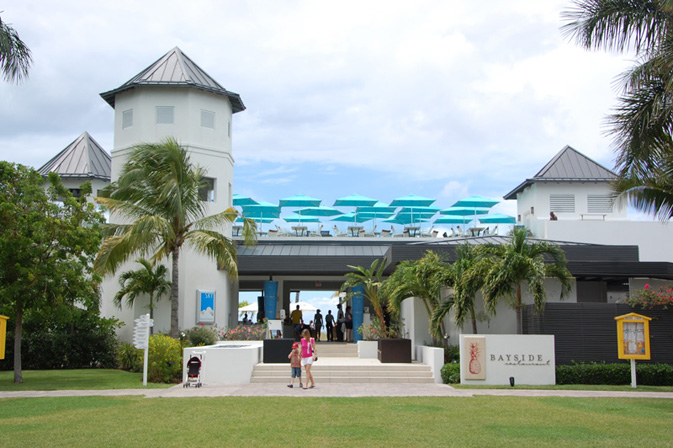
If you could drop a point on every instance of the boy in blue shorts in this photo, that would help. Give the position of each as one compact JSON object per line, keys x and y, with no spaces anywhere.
{"x":295,"y":363}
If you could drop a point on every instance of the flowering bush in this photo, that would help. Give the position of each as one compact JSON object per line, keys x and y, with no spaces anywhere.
{"x":650,"y":297}
{"x":243,"y":333}
{"x":370,"y":332}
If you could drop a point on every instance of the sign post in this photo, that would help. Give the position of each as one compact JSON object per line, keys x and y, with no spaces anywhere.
{"x":141,"y":337}
{"x":3,"y":335}
{"x":633,"y":340}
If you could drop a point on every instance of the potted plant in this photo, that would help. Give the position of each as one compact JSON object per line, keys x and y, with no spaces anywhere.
{"x":394,"y":347}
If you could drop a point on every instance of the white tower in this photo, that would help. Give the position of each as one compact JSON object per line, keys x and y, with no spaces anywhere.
{"x":174,"y":97}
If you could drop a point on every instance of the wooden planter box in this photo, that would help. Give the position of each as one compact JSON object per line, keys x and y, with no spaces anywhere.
{"x":395,"y":350}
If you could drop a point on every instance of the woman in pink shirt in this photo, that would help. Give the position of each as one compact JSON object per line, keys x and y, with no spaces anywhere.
{"x":308,"y":355}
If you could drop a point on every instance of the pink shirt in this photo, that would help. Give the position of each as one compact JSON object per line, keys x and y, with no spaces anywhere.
{"x":307,"y":348}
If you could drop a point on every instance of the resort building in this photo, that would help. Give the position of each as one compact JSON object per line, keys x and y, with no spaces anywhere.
{"x":608,"y":254}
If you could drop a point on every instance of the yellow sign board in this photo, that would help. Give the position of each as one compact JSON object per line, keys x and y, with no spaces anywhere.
{"x":3,"y":335}
{"x":633,"y":336}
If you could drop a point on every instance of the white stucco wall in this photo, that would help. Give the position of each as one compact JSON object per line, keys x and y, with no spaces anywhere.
{"x":208,"y":148}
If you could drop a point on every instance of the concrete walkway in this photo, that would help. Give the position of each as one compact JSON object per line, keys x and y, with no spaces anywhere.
{"x":332,"y":390}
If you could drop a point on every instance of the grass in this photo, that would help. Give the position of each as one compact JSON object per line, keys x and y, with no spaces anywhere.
{"x":82,"y":379}
{"x":372,"y":422}
{"x":622,"y":388}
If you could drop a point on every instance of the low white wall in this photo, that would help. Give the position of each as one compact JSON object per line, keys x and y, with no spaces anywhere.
{"x":432,"y":356}
{"x":368,"y":349}
{"x":226,"y":362}
{"x":530,"y":359}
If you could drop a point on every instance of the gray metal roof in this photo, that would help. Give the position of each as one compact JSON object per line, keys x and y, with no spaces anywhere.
{"x":569,"y":165}
{"x":175,"y":69}
{"x":84,"y":158}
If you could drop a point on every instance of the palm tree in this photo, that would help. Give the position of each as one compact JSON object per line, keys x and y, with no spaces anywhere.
{"x":371,"y":279}
{"x":15,"y":58}
{"x":643,"y":121}
{"x":422,"y":278}
{"x":143,"y":281}
{"x":509,"y":265}
{"x":158,"y":194}
{"x":465,"y":277}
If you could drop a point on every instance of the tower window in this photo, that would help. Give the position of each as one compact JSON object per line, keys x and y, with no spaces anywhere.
{"x":207,"y":189}
{"x":127,"y":118}
{"x":165,"y":114}
{"x":207,"y":119}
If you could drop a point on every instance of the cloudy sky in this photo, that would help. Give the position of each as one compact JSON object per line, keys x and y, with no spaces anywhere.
{"x":439,"y":98}
{"x":382,"y":98}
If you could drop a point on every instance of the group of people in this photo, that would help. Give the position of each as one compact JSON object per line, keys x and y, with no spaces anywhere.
{"x":341,"y":324}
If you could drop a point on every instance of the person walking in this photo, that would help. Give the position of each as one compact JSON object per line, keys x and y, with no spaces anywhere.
{"x":329,"y":325}
{"x":317,"y":321}
{"x":348,"y":320}
{"x":296,"y":317}
{"x":340,"y":324}
{"x":295,"y":365}
{"x":308,"y":355}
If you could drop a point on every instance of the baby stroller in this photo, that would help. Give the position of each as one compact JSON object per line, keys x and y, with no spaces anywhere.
{"x":193,"y":371}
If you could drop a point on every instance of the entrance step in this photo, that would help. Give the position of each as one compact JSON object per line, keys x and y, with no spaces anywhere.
{"x":347,"y":370}
{"x":337,"y":350}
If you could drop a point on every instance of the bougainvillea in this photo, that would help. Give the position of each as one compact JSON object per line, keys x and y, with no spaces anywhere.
{"x":649,"y":297}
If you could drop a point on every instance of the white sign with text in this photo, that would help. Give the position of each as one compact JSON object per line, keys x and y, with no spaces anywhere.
{"x":495,"y":358}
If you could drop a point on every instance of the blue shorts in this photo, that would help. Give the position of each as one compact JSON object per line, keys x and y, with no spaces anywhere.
{"x":296,"y":372}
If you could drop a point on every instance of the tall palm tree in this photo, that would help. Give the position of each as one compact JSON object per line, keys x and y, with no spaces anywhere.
{"x":465,"y":278}
{"x":642,"y":123}
{"x":147,"y":280}
{"x":371,"y":279}
{"x":423,"y":279}
{"x":509,"y":265}
{"x":15,"y":58}
{"x":157,"y":194}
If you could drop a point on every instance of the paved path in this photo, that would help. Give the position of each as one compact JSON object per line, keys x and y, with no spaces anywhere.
{"x":332,"y":390}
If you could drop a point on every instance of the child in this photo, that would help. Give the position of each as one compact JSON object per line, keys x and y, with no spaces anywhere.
{"x":295,"y":362}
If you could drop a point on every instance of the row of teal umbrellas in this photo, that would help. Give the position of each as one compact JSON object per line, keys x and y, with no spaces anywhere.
{"x":413,"y":209}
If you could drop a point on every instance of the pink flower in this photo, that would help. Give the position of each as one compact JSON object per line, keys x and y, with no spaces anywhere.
{"x":647,"y":285}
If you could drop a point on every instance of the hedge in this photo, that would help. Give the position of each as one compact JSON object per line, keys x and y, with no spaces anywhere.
{"x":593,"y":374}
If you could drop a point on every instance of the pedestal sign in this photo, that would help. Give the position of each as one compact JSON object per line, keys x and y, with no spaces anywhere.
{"x":141,"y":337}
{"x":633,"y":339}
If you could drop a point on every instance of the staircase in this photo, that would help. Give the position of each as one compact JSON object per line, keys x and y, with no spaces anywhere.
{"x":339,"y":363}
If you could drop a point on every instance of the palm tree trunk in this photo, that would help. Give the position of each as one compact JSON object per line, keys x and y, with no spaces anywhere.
{"x":18,"y":375}
{"x":519,"y":324}
{"x":175,"y":299}
{"x":151,"y":312}
{"x":474,"y":319}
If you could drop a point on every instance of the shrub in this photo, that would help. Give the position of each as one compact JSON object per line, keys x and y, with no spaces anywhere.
{"x":201,"y":335}
{"x":649,"y":298}
{"x":614,"y":374}
{"x":129,"y":357}
{"x":452,"y":353}
{"x":451,"y":373}
{"x":64,"y":337}
{"x":164,"y":364}
{"x":244,"y":333}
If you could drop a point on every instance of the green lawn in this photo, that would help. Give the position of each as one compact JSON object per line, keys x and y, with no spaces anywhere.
{"x":338,"y":422}
{"x":83,"y":379}
{"x":574,"y":387}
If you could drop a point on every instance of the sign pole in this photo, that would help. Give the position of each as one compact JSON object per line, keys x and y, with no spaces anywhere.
{"x":141,"y":337}
{"x":633,"y":373}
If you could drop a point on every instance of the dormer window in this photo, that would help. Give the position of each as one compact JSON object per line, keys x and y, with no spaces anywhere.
{"x":165,"y":114}
{"x":207,"y":119}
{"x":127,"y":118}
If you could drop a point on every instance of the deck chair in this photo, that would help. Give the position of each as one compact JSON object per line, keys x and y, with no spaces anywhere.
{"x":272,"y":233}
{"x":485,"y":232}
{"x":281,"y":232}
{"x":434,"y":234}
{"x":386,"y":233}
{"x":337,"y":232}
{"x":427,"y":233}
{"x":316,"y":233}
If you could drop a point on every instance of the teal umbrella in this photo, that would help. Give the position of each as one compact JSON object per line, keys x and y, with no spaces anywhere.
{"x":463,"y":211}
{"x":300,"y":219}
{"x":476,"y":202}
{"x":241,"y":200}
{"x":352,"y":217}
{"x":319,"y":211}
{"x":405,"y":219}
{"x":354,"y":200}
{"x":497,"y":218}
{"x":378,"y":210}
{"x":261,"y":211}
{"x":299,"y":200}
{"x":412,"y":202}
